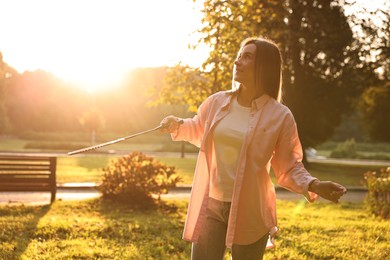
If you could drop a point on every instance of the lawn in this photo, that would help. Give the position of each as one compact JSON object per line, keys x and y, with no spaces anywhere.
{"x":95,"y":229}
{"x":82,"y":169}
{"x":90,"y":168}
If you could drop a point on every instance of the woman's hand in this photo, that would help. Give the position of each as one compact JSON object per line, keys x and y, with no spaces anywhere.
{"x":328,"y":190}
{"x":170,"y":124}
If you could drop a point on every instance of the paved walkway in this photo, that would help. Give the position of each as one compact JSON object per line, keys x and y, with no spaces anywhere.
{"x":87,"y":191}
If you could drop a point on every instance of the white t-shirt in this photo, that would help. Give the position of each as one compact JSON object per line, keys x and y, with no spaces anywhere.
{"x":228,"y":138}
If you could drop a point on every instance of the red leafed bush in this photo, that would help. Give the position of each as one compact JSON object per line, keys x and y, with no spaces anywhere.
{"x":378,"y":198}
{"x":135,"y":178}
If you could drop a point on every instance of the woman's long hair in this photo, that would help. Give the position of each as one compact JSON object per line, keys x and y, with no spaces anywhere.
{"x":268,"y":67}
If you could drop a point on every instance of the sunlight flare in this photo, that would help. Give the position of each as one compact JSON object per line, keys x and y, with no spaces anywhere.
{"x":94,"y":43}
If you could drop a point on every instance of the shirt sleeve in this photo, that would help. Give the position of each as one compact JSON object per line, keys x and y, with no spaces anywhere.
{"x":287,"y":160}
{"x":192,"y":129}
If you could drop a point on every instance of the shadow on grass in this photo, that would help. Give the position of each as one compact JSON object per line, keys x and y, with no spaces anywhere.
{"x":152,"y":230}
{"x":18,"y":227}
{"x":94,"y":229}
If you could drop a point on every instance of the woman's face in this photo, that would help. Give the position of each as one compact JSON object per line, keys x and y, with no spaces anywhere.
{"x":244,"y":66}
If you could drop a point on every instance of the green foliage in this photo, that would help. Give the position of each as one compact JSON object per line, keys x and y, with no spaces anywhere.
{"x":135,"y":178}
{"x":5,"y":125}
{"x":189,"y":86}
{"x":375,"y":106}
{"x":345,"y":150}
{"x":316,"y":41}
{"x":225,"y":25}
{"x":375,"y":26}
{"x":378,"y":199}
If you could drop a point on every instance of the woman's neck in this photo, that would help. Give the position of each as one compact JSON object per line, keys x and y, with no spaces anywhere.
{"x":246,"y":96}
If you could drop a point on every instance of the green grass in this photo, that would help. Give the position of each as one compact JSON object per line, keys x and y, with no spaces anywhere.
{"x":82,"y":169}
{"x":91,"y":229}
{"x":7,"y":144}
{"x":95,"y":229}
{"x":329,"y":231}
{"x":89,"y":168}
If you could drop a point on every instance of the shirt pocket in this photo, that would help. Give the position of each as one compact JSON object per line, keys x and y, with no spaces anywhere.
{"x":262,"y":145}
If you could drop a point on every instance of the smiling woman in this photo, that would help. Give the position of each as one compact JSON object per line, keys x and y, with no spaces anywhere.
{"x":93,"y":43}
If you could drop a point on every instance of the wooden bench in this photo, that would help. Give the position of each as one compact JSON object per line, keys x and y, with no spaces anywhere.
{"x":28,"y":173}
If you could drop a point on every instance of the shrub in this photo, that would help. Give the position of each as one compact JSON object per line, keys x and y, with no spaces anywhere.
{"x":345,"y":150}
{"x":378,"y":197}
{"x":135,"y":178}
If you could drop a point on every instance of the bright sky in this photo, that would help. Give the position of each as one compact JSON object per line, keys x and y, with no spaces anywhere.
{"x":94,"y":42}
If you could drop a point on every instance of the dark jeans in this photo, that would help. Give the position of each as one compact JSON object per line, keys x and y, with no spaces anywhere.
{"x":211,"y":244}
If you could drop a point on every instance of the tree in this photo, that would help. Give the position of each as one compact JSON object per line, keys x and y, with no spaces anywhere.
{"x":372,"y":35}
{"x":38,"y":101}
{"x":6,"y":72}
{"x":225,"y":25}
{"x":316,"y":45}
{"x":316,"y":42}
{"x":375,"y":105}
{"x":371,"y":29}
{"x":189,"y":85}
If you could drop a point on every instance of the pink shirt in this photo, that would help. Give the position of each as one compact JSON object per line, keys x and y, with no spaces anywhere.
{"x":272,"y":140}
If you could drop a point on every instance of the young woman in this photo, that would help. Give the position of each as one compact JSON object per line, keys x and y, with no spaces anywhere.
{"x":242,"y":133}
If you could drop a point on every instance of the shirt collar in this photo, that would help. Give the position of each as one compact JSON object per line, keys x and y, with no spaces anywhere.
{"x":261,"y":101}
{"x":230,"y":95}
{"x":258,"y":103}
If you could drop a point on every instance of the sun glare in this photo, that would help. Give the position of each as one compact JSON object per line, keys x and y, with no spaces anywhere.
{"x":93,"y":43}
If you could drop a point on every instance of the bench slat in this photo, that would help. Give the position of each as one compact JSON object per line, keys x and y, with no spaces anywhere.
{"x":27,"y":188}
{"x":10,"y":185}
{"x":25,"y":179}
{"x":5,"y":170}
{"x":24,"y":169}
{"x":24,"y":158}
{"x":26,"y":174}
{"x":22,"y":164}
